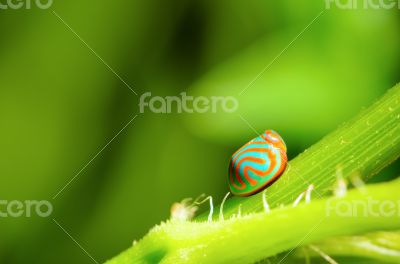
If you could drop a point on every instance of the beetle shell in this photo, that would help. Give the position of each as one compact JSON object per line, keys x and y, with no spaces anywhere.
{"x":257,"y":164}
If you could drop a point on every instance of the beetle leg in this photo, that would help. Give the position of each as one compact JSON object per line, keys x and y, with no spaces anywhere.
{"x":306,"y":193}
{"x":265,"y":203}
{"x":221,"y":209}
{"x":297,"y":201}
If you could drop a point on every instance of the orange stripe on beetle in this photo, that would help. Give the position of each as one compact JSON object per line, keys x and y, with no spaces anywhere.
{"x":257,"y":164}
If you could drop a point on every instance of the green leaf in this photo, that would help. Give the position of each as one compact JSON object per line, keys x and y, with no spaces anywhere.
{"x":255,"y":236}
{"x":380,"y":246}
{"x":363,"y":146}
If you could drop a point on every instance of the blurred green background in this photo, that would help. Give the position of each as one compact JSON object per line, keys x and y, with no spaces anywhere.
{"x":60,"y":105}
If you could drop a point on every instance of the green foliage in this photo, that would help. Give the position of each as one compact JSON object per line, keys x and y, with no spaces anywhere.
{"x":379,"y":246}
{"x":60,"y":105}
{"x":252,"y":237}
{"x":306,"y":91}
{"x":363,"y":146}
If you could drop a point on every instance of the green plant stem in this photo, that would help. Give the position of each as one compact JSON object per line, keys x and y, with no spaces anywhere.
{"x":256,"y":236}
{"x":380,"y":246}
{"x":363,"y":146}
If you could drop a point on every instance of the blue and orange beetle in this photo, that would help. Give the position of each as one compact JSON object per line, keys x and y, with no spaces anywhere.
{"x":257,"y":164}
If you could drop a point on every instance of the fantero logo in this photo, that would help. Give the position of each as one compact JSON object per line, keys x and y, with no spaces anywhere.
{"x":187,"y":104}
{"x":25,"y":4}
{"x":28,"y":208}
{"x":363,"y":4}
